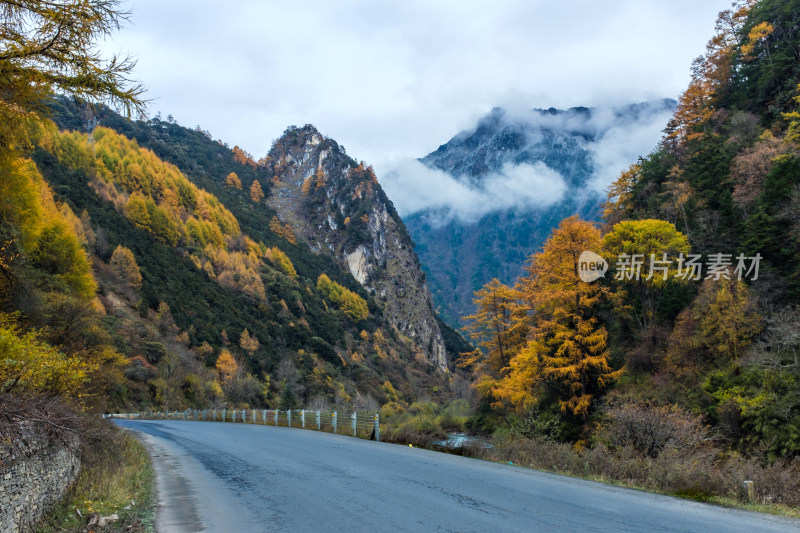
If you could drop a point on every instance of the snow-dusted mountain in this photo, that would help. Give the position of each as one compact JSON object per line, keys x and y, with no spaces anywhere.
{"x":482,"y":203}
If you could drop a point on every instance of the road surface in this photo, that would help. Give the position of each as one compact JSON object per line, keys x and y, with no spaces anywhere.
{"x":242,"y":478}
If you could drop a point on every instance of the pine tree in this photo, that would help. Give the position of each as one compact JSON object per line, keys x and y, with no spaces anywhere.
{"x":52,"y":46}
{"x":288,"y":399}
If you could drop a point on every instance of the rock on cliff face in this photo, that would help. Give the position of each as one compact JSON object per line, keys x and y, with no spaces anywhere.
{"x":337,"y":206}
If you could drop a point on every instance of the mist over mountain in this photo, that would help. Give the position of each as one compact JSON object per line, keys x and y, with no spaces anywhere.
{"x":481,"y":203}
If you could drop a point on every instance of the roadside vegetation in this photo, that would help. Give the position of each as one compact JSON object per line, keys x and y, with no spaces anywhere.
{"x":423,"y":423}
{"x":639,"y":445}
{"x":116,"y":480}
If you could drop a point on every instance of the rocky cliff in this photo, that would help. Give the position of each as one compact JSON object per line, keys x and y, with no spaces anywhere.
{"x":337,"y":206}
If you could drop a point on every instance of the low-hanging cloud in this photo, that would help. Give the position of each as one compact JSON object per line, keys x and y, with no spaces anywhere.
{"x":620,"y":146}
{"x":414,"y":187}
{"x":612,"y":137}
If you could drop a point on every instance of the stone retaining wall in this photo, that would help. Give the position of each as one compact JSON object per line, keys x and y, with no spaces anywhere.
{"x":35,"y":472}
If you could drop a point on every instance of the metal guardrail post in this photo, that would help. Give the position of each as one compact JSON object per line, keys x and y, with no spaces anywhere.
{"x":353,"y":419}
{"x":303,"y":418}
{"x":749,"y":491}
{"x":377,"y":427}
{"x":244,"y":416}
{"x":224,"y":418}
{"x":215,"y":415}
{"x":319,"y":425}
{"x":276,"y":417}
{"x":264,"y":416}
{"x":334,"y":421}
{"x":289,"y":418}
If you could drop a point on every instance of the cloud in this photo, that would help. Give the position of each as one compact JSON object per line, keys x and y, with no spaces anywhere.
{"x":392,"y":79}
{"x":414,"y":187}
{"x":613,"y":138}
{"x":621,"y":145}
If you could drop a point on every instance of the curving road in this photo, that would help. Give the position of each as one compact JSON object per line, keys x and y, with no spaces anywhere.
{"x":243,"y":478}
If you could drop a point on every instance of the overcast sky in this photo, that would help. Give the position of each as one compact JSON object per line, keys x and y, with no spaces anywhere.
{"x":395,"y":79}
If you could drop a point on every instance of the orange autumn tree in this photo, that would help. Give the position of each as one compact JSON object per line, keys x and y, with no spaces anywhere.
{"x":123,"y":262}
{"x":248,"y":343}
{"x":227,"y":367}
{"x":711,"y":73}
{"x":256,"y":192}
{"x":232,"y":181}
{"x":566,"y":347}
{"x":493,"y":328}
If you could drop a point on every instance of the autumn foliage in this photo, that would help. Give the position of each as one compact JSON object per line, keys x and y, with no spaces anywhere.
{"x":543,"y":339}
{"x":29,"y":363}
{"x":124,"y":264}
{"x":350,"y":303}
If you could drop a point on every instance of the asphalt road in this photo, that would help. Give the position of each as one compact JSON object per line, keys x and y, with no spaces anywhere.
{"x":243,"y":478}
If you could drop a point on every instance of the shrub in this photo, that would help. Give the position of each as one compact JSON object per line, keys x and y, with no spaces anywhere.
{"x":30,"y":364}
{"x":140,"y":370}
{"x":650,"y":429}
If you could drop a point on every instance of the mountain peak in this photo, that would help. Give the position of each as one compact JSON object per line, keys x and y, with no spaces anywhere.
{"x":524,"y":169}
{"x":295,"y":136}
{"x":337,"y":207}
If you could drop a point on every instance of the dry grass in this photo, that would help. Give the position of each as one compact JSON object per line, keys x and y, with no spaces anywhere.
{"x":116,"y":477}
{"x":702,"y":473}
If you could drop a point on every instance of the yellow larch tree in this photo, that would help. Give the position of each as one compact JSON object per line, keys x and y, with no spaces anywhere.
{"x":248,"y":343}
{"x":567,"y":345}
{"x":232,"y":181}
{"x":124,"y":264}
{"x":493,"y":328}
{"x":227,"y":367}
{"x":646,"y":253}
{"x":256,"y":192}
{"x":620,"y":194}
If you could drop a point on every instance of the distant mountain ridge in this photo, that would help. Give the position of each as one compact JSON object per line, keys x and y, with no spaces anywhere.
{"x":460,"y":251}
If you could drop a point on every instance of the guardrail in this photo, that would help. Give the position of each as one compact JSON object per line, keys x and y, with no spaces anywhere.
{"x":363,"y":425}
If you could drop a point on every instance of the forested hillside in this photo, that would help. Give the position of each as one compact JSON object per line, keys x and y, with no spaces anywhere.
{"x":691,"y":345}
{"x":197,"y":304}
